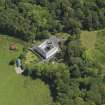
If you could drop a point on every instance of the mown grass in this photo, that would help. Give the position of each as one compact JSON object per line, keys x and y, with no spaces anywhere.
{"x":16,"y":89}
{"x":88,"y":39}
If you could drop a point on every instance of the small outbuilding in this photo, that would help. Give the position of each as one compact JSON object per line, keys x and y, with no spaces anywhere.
{"x":12,"y":46}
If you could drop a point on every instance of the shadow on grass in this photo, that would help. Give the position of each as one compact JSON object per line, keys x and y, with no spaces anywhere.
{"x":47,"y":80}
{"x":7,"y":32}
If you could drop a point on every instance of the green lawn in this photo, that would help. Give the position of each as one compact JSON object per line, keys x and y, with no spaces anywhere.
{"x":88,"y":39}
{"x":16,"y":89}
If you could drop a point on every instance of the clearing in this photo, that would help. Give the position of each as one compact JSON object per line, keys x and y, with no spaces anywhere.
{"x":88,"y":39}
{"x":94,"y":42}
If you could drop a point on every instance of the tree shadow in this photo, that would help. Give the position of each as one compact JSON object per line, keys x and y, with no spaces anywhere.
{"x":50,"y":81}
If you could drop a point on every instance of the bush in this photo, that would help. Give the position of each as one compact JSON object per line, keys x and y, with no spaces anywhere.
{"x":43,"y":35}
{"x":12,"y":62}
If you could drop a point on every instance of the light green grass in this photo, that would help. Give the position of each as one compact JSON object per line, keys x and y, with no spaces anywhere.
{"x":16,"y":89}
{"x":88,"y":39}
{"x":31,"y":57}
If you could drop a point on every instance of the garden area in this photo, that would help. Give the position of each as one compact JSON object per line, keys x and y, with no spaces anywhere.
{"x":17,"y":89}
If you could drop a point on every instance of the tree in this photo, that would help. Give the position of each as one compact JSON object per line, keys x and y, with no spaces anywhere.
{"x":43,"y":35}
{"x":94,"y":96}
{"x":72,"y":26}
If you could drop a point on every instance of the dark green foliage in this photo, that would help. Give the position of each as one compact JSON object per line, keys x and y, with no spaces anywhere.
{"x":25,"y":21}
{"x":43,"y":35}
{"x":57,"y":76}
{"x":86,"y":87}
{"x":28,"y":19}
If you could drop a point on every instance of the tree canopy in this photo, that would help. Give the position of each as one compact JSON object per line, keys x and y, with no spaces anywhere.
{"x":29,"y":19}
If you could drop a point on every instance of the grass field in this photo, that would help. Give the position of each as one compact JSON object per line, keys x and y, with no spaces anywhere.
{"x":94,"y":42}
{"x":16,"y":89}
{"x":88,"y":39}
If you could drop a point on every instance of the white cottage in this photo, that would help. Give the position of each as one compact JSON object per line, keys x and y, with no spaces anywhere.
{"x":48,"y":48}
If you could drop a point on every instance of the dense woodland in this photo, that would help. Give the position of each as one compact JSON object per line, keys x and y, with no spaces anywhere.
{"x":75,"y":80}
{"x":37,"y":19}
